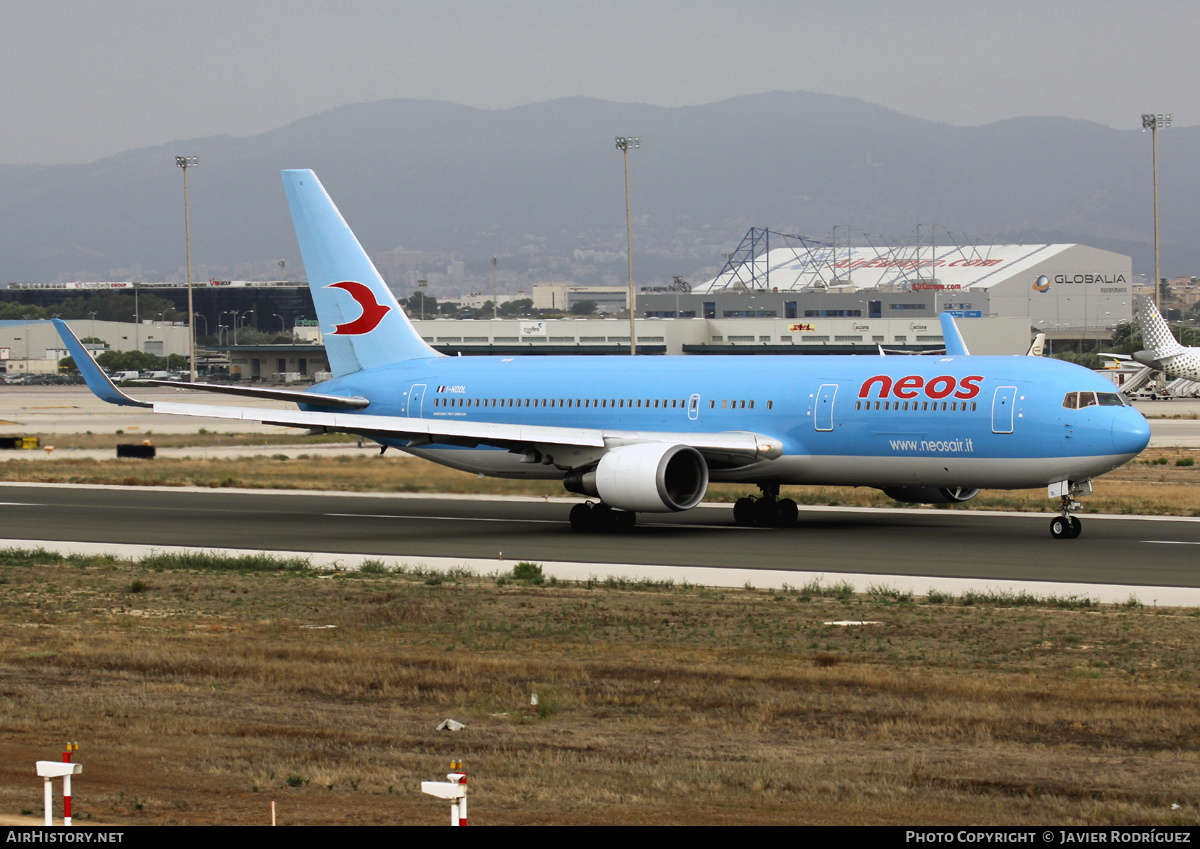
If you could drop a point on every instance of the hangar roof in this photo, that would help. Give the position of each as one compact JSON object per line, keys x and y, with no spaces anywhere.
{"x":889,"y":268}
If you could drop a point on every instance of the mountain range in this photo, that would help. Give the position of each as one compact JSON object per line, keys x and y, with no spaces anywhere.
{"x":542,"y":185}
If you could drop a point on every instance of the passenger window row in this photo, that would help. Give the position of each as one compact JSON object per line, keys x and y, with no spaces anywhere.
{"x":593,"y":403}
{"x":917,"y":406}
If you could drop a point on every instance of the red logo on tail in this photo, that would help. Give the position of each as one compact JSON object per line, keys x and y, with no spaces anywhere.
{"x":372,"y":311}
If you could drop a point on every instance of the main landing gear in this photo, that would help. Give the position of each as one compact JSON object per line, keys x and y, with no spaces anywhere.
{"x":767,"y":510}
{"x":600,"y":518}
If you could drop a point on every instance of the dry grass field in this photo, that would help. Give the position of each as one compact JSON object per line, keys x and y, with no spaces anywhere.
{"x":201,"y":690}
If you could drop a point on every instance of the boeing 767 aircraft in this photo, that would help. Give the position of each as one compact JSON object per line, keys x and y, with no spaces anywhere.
{"x":648,"y":434}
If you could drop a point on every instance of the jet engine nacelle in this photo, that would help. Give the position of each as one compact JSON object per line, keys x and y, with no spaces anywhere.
{"x":930,"y":494}
{"x":652,"y":477}
{"x":1147,"y":358}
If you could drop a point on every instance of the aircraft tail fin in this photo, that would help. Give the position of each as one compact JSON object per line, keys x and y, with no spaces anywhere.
{"x":362,"y":324}
{"x":1038,"y":347}
{"x":1156,"y":333}
{"x":955,"y":346}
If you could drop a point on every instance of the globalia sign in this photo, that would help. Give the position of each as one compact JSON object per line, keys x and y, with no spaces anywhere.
{"x":1042,"y":284}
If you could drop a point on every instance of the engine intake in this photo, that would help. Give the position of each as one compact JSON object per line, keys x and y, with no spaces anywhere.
{"x":652,"y":477}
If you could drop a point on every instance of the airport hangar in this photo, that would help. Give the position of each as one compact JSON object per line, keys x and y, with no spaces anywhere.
{"x":834,"y":296}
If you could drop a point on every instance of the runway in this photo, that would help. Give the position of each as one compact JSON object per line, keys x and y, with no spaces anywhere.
{"x":1151,"y":558}
{"x":918,"y":548}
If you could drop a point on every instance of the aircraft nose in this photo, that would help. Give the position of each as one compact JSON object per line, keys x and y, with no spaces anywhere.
{"x":1130,"y":432}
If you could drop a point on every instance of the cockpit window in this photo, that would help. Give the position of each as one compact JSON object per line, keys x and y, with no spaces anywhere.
{"x":1079,"y":400}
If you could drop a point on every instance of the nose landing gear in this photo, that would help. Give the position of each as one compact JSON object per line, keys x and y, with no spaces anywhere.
{"x":1064,"y":525}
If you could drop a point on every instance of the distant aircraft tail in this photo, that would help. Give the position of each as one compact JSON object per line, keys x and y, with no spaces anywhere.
{"x":362,"y":325}
{"x":955,"y":346}
{"x":1156,"y":334}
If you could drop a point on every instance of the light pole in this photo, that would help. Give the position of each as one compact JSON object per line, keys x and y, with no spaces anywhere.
{"x":233,"y":313}
{"x":186,"y":162}
{"x":243,"y":321}
{"x":1152,"y":123}
{"x":623,"y":145}
{"x":421,"y":284}
{"x":495,"y":294}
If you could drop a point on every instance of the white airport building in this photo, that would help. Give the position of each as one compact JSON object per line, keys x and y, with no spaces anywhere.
{"x":1065,"y":290}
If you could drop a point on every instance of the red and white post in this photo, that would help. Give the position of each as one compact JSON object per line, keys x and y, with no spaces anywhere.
{"x":454,"y":789}
{"x":50,"y":770}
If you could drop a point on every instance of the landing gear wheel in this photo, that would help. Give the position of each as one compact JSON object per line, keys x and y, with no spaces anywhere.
{"x":600,"y":518}
{"x":787,"y":513}
{"x":764,"y":512}
{"x":1064,"y":525}
{"x":603,"y":519}
{"x":581,"y":517}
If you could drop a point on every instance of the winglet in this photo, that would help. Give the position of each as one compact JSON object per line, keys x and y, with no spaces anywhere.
{"x":955,"y":346}
{"x":100,"y":384}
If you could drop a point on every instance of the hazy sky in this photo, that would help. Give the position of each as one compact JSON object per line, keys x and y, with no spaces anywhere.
{"x":83,"y":79}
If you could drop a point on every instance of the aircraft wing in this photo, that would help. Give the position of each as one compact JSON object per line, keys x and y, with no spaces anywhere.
{"x":295,"y":395}
{"x":733,"y":446}
{"x":581,"y":445}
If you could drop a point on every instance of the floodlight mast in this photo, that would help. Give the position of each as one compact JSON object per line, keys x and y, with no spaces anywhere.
{"x":186,"y":162}
{"x":1152,"y":123}
{"x":623,"y":145}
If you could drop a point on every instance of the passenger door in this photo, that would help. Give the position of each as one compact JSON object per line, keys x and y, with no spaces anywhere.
{"x":416,"y":399}
{"x":1003,"y":403}
{"x":823,"y":411}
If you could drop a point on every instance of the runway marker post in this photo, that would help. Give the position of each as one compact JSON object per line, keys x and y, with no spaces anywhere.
{"x":454,"y":789}
{"x":50,"y":770}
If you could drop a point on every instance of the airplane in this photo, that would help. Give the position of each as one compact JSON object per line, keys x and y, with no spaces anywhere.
{"x":648,"y":434}
{"x":1163,"y":352}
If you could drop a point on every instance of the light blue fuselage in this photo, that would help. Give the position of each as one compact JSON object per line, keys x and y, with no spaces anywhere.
{"x":986,"y":422}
